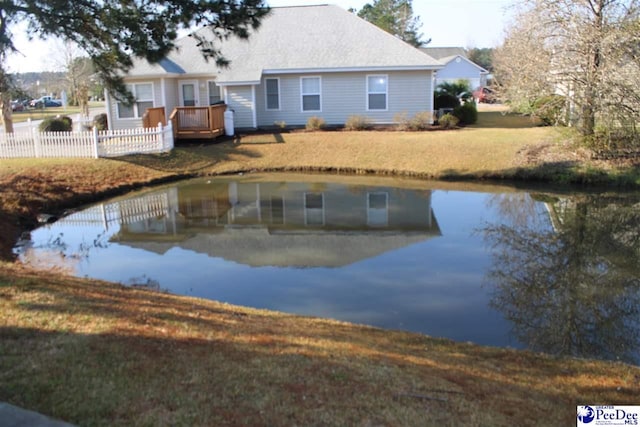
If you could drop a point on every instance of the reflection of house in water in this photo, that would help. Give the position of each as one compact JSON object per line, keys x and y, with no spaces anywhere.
{"x":280,"y":223}
{"x":558,"y":210}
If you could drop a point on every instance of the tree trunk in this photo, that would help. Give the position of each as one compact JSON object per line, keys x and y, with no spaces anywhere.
{"x":588,"y":117}
{"x":5,"y":106}
{"x":593,"y":71}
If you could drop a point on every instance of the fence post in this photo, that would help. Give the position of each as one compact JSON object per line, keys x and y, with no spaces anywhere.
{"x":161,"y":136}
{"x":169,"y":136}
{"x":95,"y":142}
{"x":37,"y":148}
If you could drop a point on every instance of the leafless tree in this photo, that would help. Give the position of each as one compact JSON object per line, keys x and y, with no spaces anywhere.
{"x":79,"y":69}
{"x":585,"y":51}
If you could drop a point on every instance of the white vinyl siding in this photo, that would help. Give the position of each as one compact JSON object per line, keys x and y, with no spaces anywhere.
{"x":345,"y":94}
{"x":240,"y":100}
{"x":460,"y":69}
{"x":377,"y":92}
{"x":143,"y":94}
{"x":272,"y":93}
{"x":214,"y":92}
{"x":171,"y":95}
{"x":311,"y":94}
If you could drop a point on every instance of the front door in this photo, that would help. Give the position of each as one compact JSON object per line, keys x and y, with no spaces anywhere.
{"x":189,"y":93}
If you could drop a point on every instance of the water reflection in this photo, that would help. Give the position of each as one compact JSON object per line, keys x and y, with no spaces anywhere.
{"x":560,"y":273}
{"x":573,"y":289}
{"x":271,"y":223}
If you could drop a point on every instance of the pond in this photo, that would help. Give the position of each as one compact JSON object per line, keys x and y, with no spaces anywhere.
{"x":552,"y":271}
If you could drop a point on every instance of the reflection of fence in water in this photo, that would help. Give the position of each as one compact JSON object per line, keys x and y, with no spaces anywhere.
{"x":128,"y":211}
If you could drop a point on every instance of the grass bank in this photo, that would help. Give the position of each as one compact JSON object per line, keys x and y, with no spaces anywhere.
{"x":96,"y":353}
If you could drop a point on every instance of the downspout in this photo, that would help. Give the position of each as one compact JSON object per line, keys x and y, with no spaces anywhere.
{"x":431,"y":95}
{"x":254,"y":107}
{"x":108,"y":109}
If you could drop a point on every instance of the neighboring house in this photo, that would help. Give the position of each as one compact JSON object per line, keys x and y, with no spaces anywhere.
{"x":302,"y":62}
{"x":457,"y":66}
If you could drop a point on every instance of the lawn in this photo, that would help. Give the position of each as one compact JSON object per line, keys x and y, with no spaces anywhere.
{"x":43,"y":113}
{"x":96,"y":353}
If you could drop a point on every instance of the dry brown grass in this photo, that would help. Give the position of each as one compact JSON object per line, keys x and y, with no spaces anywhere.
{"x":471,"y":152}
{"x":95,"y":353}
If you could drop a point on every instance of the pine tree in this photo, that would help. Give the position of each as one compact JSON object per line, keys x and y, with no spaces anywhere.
{"x":114,"y":32}
{"x":395,"y":17}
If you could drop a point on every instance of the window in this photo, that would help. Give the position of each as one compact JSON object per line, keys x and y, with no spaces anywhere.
{"x":314,"y":208}
{"x":143,"y":94}
{"x":272,"y":209}
{"x":215,"y":92}
{"x":310,"y":90}
{"x":377,"y":87}
{"x":272,"y":88}
{"x":377,"y":209}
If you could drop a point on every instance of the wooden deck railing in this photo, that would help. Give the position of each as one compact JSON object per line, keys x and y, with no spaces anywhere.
{"x":198,"y":122}
{"x":153,"y":116}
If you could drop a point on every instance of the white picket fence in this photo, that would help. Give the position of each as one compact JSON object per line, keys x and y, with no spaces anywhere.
{"x":93,"y":143}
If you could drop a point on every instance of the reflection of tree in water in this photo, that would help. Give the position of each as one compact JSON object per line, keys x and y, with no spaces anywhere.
{"x":574,"y":289}
{"x":57,"y":254}
{"x":144,"y":282}
{"x":520,"y":208}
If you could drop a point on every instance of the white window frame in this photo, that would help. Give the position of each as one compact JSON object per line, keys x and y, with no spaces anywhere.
{"x":266,"y":94}
{"x":385,"y":93}
{"x":137,"y":115}
{"x":218,"y":88}
{"x":319,"y":94}
{"x":196,"y":91}
{"x":375,"y":212}
{"x":308,"y":211}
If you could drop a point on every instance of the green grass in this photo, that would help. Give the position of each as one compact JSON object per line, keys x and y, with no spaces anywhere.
{"x":504,"y":120}
{"x":43,"y":113}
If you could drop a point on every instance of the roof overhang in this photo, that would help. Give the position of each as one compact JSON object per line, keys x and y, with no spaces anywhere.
{"x":151,"y":76}
{"x":238,"y":83}
{"x":353,"y":69}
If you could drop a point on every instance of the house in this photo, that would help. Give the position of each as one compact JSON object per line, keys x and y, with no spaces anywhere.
{"x":302,"y":62}
{"x":273,"y":222}
{"x":457,"y":66}
{"x":261,"y":221}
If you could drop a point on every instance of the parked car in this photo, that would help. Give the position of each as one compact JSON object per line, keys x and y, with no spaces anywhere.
{"x":484,"y":94}
{"x":16,"y":106}
{"x":45,"y":101}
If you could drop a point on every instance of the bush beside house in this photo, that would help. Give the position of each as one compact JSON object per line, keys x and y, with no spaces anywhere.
{"x":466,"y":113}
{"x":56,"y":124}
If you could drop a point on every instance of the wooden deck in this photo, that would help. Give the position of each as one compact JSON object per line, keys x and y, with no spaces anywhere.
{"x":198,"y":122}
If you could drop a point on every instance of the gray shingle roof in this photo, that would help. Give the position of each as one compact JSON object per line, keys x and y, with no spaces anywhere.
{"x":440,"y":53}
{"x":448,"y":54}
{"x":297,"y":39}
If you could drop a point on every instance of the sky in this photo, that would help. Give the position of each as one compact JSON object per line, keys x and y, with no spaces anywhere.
{"x":465,"y":23}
